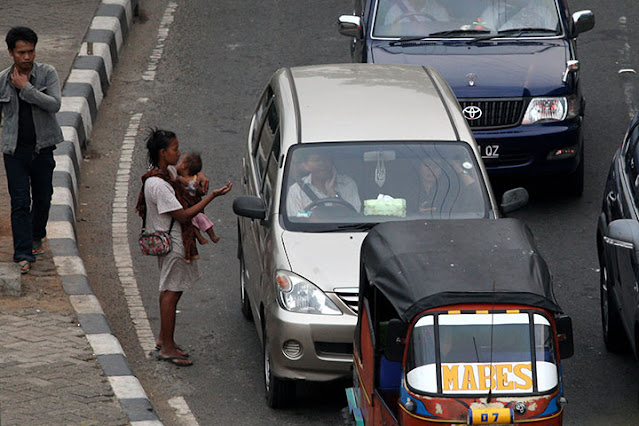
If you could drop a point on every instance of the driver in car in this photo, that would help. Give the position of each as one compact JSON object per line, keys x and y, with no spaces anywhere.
{"x":322,"y":185}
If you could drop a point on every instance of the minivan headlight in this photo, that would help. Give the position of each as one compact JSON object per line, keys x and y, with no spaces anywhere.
{"x":551,"y":109}
{"x":298,"y":295}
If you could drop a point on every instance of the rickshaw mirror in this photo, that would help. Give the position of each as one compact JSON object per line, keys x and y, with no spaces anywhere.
{"x":564,"y":336}
{"x":395,"y":340}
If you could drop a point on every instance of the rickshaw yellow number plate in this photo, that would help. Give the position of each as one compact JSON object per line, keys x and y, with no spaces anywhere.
{"x":490,"y":416}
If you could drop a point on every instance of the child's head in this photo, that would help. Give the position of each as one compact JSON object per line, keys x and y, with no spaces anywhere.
{"x":190,"y":165}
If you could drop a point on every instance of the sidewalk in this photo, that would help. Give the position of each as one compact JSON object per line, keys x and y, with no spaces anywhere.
{"x":59,"y":362}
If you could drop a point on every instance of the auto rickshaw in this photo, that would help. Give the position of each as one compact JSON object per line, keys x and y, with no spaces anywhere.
{"x":457,"y":324}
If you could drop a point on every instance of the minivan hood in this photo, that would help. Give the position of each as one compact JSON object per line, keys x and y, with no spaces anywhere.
{"x":329,"y":260}
{"x":501,"y":69}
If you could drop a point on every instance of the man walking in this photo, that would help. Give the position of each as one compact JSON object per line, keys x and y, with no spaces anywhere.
{"x":29,"y":98}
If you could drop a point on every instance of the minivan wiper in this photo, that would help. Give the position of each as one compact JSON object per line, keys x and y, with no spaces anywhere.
{"x":357,"y":226}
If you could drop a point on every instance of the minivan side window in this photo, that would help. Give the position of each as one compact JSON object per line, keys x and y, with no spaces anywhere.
{"x":267,"y":135}
{"x":260,"y":112}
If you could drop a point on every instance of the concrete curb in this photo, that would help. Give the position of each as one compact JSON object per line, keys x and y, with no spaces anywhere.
{"x":82,"y":94}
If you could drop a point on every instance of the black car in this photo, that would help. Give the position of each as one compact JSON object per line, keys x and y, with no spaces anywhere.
{"x":511,"y":63}
{"x":618,"y":246}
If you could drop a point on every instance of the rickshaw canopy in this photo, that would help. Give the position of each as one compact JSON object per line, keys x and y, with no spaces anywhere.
{"x":419,"y":265}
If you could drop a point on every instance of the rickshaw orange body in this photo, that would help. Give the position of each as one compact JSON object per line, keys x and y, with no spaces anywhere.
{"x":501,"y":389}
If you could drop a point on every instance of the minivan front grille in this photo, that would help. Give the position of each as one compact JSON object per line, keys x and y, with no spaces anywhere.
{"x":349,"y":296}
{"x":492,"y":113}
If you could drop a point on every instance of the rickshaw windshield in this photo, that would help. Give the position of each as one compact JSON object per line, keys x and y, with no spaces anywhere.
{"x":342,"y":186}
{"x":473,"y":353}
{"x":470,"y":18}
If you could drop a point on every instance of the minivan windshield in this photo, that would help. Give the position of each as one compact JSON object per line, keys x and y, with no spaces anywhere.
{"x":479,"y":352}
{"x":465,"y":18}
{"x":357,"y":185}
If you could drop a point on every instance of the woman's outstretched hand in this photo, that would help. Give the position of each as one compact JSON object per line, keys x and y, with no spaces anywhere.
{"x":223,"y":190}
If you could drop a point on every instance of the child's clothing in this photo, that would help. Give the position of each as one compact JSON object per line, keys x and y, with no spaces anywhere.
{"x":200,"y":221}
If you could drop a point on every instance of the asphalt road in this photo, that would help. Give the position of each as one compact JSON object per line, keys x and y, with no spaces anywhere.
{"x":215,"y":62}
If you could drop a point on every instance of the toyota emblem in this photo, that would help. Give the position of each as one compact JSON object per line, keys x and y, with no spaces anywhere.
{"x":472,"y":112}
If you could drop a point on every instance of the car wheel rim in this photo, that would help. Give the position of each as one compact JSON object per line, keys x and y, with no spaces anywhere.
{"x":267,"y":368}
{"x":242,"y":272}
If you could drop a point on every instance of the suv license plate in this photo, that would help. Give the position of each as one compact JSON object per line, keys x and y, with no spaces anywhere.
{"x":490,"y":151}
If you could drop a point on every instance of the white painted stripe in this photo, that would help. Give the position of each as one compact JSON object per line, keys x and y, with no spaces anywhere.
{"x":127,"y":387}
{"x":60,"y":229}
{"x":163,"y":32}
{"x":69,"y":265}
{"x":80,"y":105}
{"x":99,"y":49}
{"x":182,"y":411}
{"x":88,"y":76}
{"x":109,"y":23}
{"x":625,"y":61}
{"x":147,"y":423}
{"x":127,"y":8}
{"x":120,"y":239}
{"x":70,"y":134}
{"x":86,"y":304}
{"x":104,"y":344}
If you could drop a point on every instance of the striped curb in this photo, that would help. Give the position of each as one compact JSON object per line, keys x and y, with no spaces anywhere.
{"x":82,"y":94}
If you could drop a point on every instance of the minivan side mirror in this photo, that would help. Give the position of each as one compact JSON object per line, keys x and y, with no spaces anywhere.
{"x":249,"y":206}
{"x":351,"y":26}
{"x":395,"y":340}
{"x":514,"y":199}
{"x":584,"y":20}
{"x":564,"y":336}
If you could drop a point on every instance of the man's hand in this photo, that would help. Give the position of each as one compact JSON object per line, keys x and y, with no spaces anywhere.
{"x":330,"y":184}
{"x":19,"y":80}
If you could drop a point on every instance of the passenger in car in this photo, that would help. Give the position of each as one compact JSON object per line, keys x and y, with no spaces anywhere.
{"x":517,"y":14}
{"x":410,"y":11}
{"x":449,"y":188}
{"x":321,"y":182}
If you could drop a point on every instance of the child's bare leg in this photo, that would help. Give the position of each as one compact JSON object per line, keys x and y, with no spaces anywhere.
{"x":200,"y":237}
{"x":212,"y":235}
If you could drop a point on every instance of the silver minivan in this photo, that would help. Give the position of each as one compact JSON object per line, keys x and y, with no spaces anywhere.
{"x":332,"y":151}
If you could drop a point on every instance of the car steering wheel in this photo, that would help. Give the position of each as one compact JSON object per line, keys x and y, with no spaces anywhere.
{"x":340,"y":203}
{"x":428,"y":16}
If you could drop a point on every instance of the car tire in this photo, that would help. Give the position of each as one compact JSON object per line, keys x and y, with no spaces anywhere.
{"x":244,"y":299}
{"x":575,"y":180}
{"x":612,"y":327}
{"x":279,"y":393}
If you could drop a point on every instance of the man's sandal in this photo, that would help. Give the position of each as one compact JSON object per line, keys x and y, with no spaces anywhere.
{"x":25,"y":266}
{"x":38,"y":248}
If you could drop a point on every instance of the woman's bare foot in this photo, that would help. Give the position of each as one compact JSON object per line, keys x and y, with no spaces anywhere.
{"x":215,"y":239}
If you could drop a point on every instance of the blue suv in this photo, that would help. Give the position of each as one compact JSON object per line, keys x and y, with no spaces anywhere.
{"x":511,"y":63}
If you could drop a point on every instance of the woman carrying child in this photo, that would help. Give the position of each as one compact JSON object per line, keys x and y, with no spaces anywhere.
{"x":162,"y":200}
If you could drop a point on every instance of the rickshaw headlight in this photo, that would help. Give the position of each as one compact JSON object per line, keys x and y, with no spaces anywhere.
{"x":298,"y":295}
